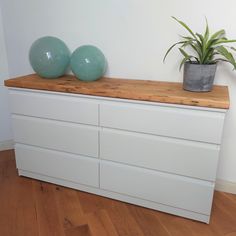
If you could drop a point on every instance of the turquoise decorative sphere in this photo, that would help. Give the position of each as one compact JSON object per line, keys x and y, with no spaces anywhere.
{"x":49,"y":57}
{"x":88,"y":63}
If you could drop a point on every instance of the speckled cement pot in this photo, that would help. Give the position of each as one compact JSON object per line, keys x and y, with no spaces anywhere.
{"x":198,"y":77}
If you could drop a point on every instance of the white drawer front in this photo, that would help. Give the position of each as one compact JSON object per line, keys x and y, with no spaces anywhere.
{"x":177,"y":191}
{"x":188,"y":124}
{"x":60,"y":165}
{"x":182,"y":157}
{"x":53,"y":106}
{"x":56,"y":135}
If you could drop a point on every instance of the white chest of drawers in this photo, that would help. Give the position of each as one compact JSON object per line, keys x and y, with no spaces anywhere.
{"x":160,"y":156}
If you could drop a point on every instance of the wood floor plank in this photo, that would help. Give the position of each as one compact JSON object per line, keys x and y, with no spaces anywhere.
{"x":198,"y":228}
{"x":7,"y":198}
{"x":176,"y":226}
{"x":123,"y":221}
{"x":222,"y":227}
{"x":7,"y":155}
{"x":144,"y":217}
{"x":9,"y":170}
{"x":82,"y":230}
{"x":26,"y":216}
{"x":120,"y":216}
{"x":91,"y":202}
{"x":223,"y":219}
{"x":231,"y":234}
{"x":230,"y":196}
{"x":69,"y":208}
{"x":47,"y":214}
{"x":17,"y":207}
{"x":226,"y":203}
{"x":100,"y":224}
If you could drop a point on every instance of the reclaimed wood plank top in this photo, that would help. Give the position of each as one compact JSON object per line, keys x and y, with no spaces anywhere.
{"x":143,"y":90}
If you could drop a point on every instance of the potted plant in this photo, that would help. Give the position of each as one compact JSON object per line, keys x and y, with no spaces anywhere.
{"x":206,"y":50}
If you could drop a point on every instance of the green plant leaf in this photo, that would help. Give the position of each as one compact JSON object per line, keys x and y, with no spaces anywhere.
{"x":206,"y":35}
{"x":185,"y":26}
{"x":233,"y":48}
{"x":187,"y":37}
{"x":202,"y":47}
{"x":197,"y":49}
{"x":182,"y":62}
{"x":205,"y":50}
{"x":200,"y":37}
{"x":193,"y":44}
{"x":211,"y":43}
{"x":217,"y":34}
{"x":194,"y":41}
{"x":181,"y":42}
{"x":230,"y":47}
{"x":221,"y":41}
{"x":186,"y":58}
{"x":209,"y":55}
{"x":227,"y":55}
{"x":219,"y":59}
{"x":187,"y":43}
{"x":184,"y":53}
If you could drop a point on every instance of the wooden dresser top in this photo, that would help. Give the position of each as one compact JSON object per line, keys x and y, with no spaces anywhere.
{"x":143,"y":90}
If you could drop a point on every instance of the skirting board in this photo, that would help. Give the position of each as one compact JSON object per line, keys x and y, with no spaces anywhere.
{"x":225,"y":186}
{"x":6,"y":145}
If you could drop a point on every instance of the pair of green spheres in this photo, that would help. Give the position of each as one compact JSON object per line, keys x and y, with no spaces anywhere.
{"x":50,"y":58}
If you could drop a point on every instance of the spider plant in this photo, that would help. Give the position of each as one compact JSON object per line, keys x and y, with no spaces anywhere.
{"x":206,"y":48}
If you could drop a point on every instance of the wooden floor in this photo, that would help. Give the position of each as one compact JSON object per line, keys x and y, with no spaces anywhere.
{"x":34,"y":208}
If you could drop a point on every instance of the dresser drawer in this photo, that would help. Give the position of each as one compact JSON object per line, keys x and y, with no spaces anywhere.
{"x":182,"y":157}
{"x":62,"y":136}
{"x":176,"y":191}
{"x":54,"y":106}
{"x":199,"y":125}
{"x":60,"y":165}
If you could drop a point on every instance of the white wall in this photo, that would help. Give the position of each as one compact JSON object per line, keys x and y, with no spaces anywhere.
{"x":5,"y":127}
{"x":133,"y":34}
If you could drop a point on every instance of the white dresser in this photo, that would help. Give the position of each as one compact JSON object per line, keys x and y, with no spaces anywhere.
{"x":157,"y":155}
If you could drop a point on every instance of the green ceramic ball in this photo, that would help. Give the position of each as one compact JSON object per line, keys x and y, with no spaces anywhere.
{"x":49,"y":57}
{"x":88,"y":63}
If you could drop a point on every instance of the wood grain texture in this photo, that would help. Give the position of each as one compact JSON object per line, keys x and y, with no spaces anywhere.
{"x":145,"y":90}
{"x":34,"y":208}
{"x":46,"y":208}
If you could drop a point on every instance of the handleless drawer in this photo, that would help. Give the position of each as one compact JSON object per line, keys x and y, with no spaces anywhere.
{"x":189,"y":158}
{"x":199,"y":125}
{"x":60,"y":165}
{"x":61,"y":136}
{"x":176,"y":191}
{"x":54,"y":106}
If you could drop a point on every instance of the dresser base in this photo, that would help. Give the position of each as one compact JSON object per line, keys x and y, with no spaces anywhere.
{"x":117,"y":196}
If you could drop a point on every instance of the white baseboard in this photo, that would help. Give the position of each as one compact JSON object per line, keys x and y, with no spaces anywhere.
{"x":225,"y":186}
{"x":6,"y":145}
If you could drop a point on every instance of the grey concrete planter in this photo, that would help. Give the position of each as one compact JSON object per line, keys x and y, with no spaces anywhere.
{"x":198,"y":77}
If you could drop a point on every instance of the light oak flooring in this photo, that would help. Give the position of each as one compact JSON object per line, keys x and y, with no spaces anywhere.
{"x":34,"y":208}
